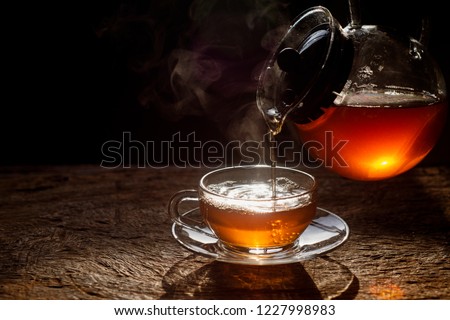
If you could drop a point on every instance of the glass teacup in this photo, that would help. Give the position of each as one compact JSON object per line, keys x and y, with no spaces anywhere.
{"x":251,"y":209}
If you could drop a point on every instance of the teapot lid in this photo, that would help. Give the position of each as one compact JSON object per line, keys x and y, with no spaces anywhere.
{"x":306,"y":71}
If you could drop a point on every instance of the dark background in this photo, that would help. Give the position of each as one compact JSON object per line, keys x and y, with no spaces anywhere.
{"x":79,"y":74}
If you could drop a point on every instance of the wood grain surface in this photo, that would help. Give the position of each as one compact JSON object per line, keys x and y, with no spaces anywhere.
{"x":85,"y":232}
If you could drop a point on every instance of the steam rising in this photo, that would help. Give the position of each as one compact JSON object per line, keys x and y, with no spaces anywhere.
{"x":203,"y":59}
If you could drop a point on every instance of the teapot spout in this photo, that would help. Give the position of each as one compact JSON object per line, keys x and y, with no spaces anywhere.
{"x":273,"y":118}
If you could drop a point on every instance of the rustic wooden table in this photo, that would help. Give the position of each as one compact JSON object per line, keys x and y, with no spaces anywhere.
{"x":85,"y":232}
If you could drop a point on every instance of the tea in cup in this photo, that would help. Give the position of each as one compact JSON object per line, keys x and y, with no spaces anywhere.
{"x":252,"y":209}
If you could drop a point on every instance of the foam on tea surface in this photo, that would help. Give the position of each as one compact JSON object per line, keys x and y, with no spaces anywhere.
{"x":249,"y":196}
{"x":257,"y":190}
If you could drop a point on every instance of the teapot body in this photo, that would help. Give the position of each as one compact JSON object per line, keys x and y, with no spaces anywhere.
{"x":389,"y":114}
{"x":373,"y":101}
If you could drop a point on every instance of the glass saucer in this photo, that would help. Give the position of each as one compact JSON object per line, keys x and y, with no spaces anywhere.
{"x":326,"y":232}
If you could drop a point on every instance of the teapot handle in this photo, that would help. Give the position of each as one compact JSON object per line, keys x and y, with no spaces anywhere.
{"x":355,"y":21}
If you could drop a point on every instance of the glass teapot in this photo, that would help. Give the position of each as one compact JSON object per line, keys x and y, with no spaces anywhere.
{"x":373,"y":92}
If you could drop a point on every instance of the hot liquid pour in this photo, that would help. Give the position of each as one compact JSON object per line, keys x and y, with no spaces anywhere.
{"x":381,"y":141}
{"x":273,"y":163}
{"x":240,"y":220}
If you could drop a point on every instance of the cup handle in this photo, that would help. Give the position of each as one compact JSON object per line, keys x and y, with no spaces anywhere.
{"x":182,"y":218}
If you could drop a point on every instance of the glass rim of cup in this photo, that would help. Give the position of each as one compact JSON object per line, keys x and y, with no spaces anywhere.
{"x":307,"y":190}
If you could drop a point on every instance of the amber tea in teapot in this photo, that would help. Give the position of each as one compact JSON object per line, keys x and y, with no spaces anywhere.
{"x":380,"y":142}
